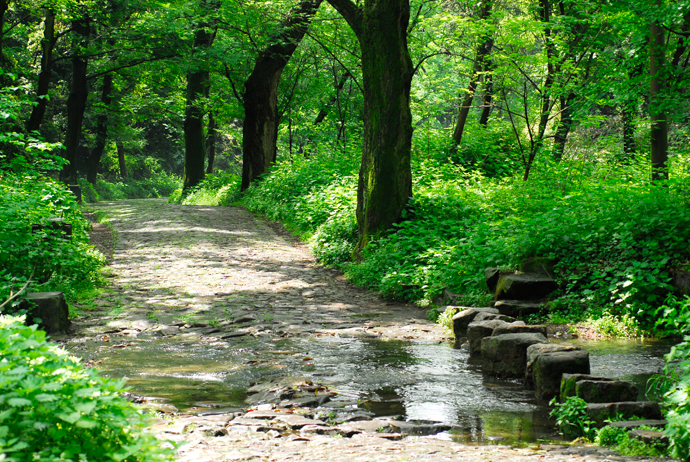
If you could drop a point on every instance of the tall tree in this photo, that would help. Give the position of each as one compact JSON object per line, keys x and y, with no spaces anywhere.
{"x":47,"y":45}
{"x":198,"y":84}
{"x":101,"y":131}
{"x":659,"y":123}
{"x":385,"y":176}
{"x":260,"y":97}
{"x":480,"y":63}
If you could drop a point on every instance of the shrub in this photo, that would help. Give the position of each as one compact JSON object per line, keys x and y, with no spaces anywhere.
{"x":219,"y":189}
{"x":54,"y":263}
{"x":54,"y":409}
{"x":571,"y":418}
{"x":160,"y":184}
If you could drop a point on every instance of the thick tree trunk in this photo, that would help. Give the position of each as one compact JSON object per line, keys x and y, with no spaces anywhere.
{"x":659,"y":126}
{"x":483,"y":50}
{"x":121,"y":158}
{"x":210,"y":143}
{"x":198,"y":83}
{"x":76,"y":101}
{"x":385,"y":177}
{"x":260,"y":128}
{"x":47,"y":43}
{"x":101,"y":131}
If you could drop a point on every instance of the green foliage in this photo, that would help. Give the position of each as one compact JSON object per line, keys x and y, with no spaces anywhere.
{"x":55,"y":262}
{"x":674,"y":382}
{"x":218,"y":189}
{"x":620,"y":441}
{"x":160,"y":184}
{"x":445,"y":318}
{"x":54,"y":409}
{"x":572,"y":420}
{"x":609,"y":325}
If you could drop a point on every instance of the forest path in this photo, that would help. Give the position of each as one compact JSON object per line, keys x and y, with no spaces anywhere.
{"x":208,"y":267}
{"x":184,"y":272}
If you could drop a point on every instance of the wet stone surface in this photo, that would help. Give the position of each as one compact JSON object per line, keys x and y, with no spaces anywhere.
{"x":212,"y":296}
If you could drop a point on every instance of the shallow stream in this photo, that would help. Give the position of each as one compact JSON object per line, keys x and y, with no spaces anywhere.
{"x":409,"y":379}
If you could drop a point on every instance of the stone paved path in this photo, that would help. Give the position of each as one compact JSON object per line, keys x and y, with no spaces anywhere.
{"x":211,"y":271}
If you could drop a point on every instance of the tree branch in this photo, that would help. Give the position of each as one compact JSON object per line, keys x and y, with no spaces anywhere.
{"x":352,"y":14}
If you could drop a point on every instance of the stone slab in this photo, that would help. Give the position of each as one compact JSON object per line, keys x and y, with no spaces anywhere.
{"x":505,"y":355}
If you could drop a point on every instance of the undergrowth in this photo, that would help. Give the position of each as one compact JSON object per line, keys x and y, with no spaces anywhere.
{"x":159,"y":184}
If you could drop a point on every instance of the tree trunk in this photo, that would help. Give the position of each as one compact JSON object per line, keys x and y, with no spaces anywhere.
{"x":76,"y":101}
{"x":659,"y":126}
{"x":210,"y":143}
{"x":487,"y":99}
{"x":628,"y":133}
{"x":564,"y":126}
{"x":198,"y":83}
{"x":326,"y":107}
{"x":101,"y":131}
{"x":4,"y":5}
{"x":483,"y":50}
{"x":121,"y":158}
{"x":47,"y":43}
{"x":260,"y":99}
{"x":537,"y":143}
{"x":385,"y":177}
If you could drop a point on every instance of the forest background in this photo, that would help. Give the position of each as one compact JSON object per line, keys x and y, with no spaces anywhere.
{"x":413,"y":144}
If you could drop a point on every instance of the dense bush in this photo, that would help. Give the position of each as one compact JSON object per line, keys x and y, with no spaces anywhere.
{"x":56,"y":263}
{"x":218,"y":189}
{"x":54,"y":409}
{"x":160,"y":184}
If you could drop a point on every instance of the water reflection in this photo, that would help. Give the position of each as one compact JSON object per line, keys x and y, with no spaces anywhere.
{"x":410,"y":380}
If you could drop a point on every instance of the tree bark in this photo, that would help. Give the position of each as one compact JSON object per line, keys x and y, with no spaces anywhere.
{"x":198,"y":83}
{"x":659,"y":125}
{"x":210,"y":143}
{"x":483,"y":50}
{"x":488,"y":96}
{"x":628,"y":133}
{"x":260,"y":98}
{"x":47,"y":44}
{"x":101,"y":131}
{"x":121,"y":158}
{"x":385,"y":176}
{"x":564,"y":126}
{"x":76,"y":101}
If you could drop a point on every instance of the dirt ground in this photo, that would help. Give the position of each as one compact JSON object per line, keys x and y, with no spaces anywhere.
{"x":170,"y":262}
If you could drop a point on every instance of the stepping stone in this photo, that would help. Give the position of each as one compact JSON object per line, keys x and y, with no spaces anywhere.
{"x":598,"y":389}
{"x":491,"y":277}
{"x":599,"y":412}
{"x":650,"y":436}
{"x":569,"y":380}
{"x":476,"y":331}
{"x":505,"y":355}
{"x":533,"y":353}
{"x":524,"y":287}
{"x":633,"y":424}
{"x":50,"y":307}
{"x":365,"y":426}
{"x":487,"y":316}
{"x":515,"y":328}
{"x":549,"y":368}
{"x":464,"y":317}
{"x":518,"y":308}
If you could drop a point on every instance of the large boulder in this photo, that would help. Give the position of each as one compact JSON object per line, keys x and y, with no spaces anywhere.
{"x":533,"y":353}
{"x":464,"y":317}
{"x":505,"y":355}
{"x":524,"y":287}
{"x":518,"y":308}
{"x":599,"y":412}
{"x":477,"y":330}
{"x":520,"y":328}
{"x":48,"y":307}
{"x":549,"y":368}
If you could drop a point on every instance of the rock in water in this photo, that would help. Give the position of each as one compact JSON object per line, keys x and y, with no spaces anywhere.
{"x":506,"y":355}
{"x":463,"y":318}
{"x":549,"y":368}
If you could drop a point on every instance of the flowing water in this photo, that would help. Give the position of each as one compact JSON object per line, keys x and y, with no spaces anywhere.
{"x":411,"y":380}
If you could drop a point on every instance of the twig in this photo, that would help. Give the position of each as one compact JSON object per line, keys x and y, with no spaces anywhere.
{"x":12,"y":297}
